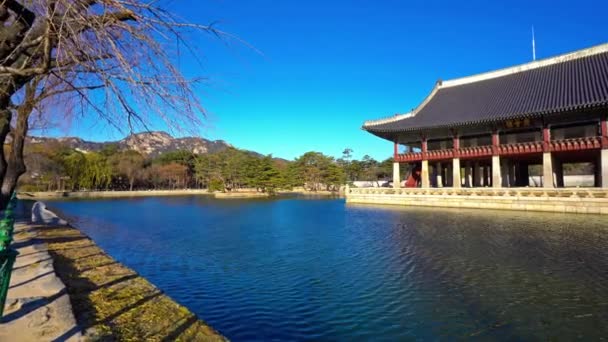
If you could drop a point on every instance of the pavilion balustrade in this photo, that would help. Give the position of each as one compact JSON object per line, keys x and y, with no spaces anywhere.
{"x":574,"y":144}
{"x":509,"y":174}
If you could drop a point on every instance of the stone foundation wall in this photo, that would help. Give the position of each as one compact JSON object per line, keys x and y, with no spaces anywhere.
{"x":582,"y":201}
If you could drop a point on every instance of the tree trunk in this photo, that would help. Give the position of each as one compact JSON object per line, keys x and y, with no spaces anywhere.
{"x":16,"y":165}
{"x":5,"y":124}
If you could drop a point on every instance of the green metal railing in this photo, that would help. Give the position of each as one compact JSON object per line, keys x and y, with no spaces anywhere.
{"x":7,"y":255}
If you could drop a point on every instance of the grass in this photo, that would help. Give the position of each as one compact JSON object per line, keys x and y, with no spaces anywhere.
{"x":112,"y":302}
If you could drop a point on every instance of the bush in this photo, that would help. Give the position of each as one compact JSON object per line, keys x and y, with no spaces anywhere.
{"x":216,"y":185}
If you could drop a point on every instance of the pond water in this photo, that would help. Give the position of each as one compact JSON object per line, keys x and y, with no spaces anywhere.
{"x":318,"y":269}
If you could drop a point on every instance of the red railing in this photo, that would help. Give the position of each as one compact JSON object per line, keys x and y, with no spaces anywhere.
{"x":439,"y":154}
{"x":476,"y":151}
{"x":520,"y":148}
{"x":576,"y":144}
{"x":409,"y":157}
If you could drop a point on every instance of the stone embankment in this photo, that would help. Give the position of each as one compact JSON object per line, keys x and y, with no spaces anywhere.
{"x":108,"y":194}
{"x":110,"y":302}
{"x":565,"y":200}
{"x":243,"y":193}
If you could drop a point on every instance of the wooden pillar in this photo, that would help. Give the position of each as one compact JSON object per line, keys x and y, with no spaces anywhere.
{"x":546,"y":138}
{"x":395,"y":151}
{"x":495,"y":142}
{"x":396,"y":175}
{"x":604,"y":131}
{"x":424,"y":146}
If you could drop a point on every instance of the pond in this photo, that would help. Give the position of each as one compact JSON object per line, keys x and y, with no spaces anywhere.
{"x":317,"y":269}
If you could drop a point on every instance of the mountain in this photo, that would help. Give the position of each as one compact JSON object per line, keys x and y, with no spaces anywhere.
{"x":148,"y":143}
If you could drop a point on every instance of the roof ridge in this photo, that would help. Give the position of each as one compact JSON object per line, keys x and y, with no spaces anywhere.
{"x":594,"y":50}
{"x":578,"y":54}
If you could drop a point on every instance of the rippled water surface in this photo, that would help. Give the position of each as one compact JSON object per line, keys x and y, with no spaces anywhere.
{"x":295,"y":269}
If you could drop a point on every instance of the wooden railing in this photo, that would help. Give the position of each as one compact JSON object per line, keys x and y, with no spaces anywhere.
{"x":439,"y":154}
{"x":409,"y":157}
{"x":598,"y":193}
{"x":520,"y":148}
{"x":476,"y":151}
{"x":576,"y":144}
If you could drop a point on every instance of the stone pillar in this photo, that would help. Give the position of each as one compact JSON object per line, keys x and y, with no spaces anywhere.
{"x":396,"y":176}
{"x":468,"y":177}
{"x":496,"y":174}
{"x":424,"y":174}
{"x":456,"y":180}
{"x":603,"y":167}
{"x":439,"y":173}
{"x":547,"y":170}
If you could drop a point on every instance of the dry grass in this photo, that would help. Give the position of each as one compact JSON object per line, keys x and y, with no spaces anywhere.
{"x":111,"y":301}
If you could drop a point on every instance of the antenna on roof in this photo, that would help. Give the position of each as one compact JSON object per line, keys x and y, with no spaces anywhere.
{"x":533,"y":45}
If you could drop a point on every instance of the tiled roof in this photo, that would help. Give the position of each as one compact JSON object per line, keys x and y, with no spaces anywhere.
{"x":565,"y":83}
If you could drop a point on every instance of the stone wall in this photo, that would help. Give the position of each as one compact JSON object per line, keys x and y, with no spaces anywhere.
{"x":583,"y":201}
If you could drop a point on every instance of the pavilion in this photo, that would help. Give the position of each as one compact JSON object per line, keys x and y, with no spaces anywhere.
{"x":487,"y":130}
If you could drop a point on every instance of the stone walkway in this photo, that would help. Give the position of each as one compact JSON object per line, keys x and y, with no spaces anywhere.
{"x":38,"y":307}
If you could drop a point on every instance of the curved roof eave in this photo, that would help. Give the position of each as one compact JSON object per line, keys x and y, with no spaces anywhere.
{"x":372,"y":125}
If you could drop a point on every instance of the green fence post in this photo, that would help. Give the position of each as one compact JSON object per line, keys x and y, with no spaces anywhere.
{"x":7,"y":260}
{"x":7,"y":255}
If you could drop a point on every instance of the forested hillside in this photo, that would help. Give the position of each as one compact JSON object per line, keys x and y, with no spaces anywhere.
{"x":62,"y":165}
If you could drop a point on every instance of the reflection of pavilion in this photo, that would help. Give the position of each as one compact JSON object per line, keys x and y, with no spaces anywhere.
{"x":491,"y":129}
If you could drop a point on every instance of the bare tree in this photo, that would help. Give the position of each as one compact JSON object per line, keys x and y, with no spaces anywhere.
{"x":117,"y":56}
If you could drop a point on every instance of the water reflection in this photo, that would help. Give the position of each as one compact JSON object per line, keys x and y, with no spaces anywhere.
{"x":317,"y":269}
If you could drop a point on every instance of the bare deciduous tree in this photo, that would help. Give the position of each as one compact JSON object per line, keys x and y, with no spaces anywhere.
{"x":117,"y":57}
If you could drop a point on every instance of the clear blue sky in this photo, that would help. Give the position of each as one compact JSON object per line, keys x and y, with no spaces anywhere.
{"x":326,"y":66}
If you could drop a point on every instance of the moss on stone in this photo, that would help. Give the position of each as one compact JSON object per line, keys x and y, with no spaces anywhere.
{"x":111,"y":302}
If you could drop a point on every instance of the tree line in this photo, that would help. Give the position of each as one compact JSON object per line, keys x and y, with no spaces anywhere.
{"x":56,"y":167}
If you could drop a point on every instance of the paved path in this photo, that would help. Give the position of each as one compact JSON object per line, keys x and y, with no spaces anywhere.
{"x":38,"y":307}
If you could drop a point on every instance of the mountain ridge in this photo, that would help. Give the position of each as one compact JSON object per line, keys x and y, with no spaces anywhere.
{"x":150,"y":144}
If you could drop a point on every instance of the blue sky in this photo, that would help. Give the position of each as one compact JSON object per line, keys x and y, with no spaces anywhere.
{"x":323,"y":67}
